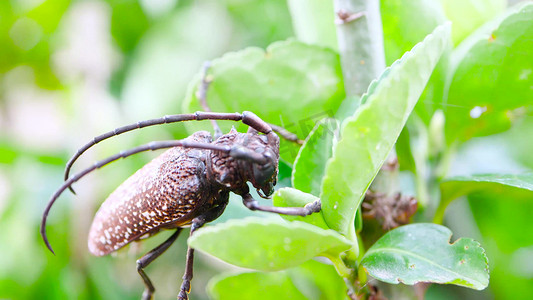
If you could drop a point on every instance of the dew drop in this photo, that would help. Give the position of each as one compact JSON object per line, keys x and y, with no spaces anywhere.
{"x":336,"y":204}
{"x":477,"y":111}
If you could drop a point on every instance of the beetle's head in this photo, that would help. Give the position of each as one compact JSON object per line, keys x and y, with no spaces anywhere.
{"x":264,"y":173}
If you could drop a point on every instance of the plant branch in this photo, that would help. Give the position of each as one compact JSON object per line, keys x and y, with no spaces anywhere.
{"x":360,"y":40}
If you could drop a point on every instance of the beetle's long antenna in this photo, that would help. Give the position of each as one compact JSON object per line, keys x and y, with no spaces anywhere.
{"x":123,"y":154}
{"x":246,"y":117}
{"x":198,"y":116}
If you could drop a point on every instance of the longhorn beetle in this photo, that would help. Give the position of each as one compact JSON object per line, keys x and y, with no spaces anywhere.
{"x":188,"y":185}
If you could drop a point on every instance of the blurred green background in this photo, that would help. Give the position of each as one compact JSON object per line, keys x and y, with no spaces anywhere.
{"x":70,"y":70}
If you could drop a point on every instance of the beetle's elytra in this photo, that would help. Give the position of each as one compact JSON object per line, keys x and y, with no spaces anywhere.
{"x":188,"y":185}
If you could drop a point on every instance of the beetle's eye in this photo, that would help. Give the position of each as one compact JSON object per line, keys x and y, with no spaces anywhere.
{"x":263,"y":173}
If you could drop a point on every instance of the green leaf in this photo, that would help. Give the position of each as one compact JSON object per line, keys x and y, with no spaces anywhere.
{"x":312,"y":280}
{"x":455,"y":187}
{"x":422,"y":253}
{"x":260,"y":22}
{"x":252,"y":286}
{"x":289,"y":197}
{"x":291,"y":84}
{"x":310,"y":163}
{"x":267,"y":244}
{"x":318,"y":280}
{"x":468,"y":15}
{"x":369,"y":135}
{"x":493,"y":76}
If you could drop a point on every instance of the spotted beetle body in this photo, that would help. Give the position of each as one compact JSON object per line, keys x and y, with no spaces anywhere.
{"x":166,"y":193}
{"x":188,"y":185}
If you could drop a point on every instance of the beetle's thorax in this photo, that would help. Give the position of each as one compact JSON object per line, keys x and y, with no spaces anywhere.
{"x":233,"y":173}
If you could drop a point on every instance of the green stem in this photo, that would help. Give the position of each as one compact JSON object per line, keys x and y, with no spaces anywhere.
{"x":360,"y":39}
{"x":341,"y":268}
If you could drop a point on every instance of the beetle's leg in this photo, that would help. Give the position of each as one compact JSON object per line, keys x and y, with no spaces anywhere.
{"x":308,"y":209}
{"x":197,"y":223}
{"x":144,"y":261}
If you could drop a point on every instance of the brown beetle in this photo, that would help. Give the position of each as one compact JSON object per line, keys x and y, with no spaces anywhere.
{"x":188,"y":185}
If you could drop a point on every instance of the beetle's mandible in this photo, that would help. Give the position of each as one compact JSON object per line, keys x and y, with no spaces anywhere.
{"x":188,"y":185}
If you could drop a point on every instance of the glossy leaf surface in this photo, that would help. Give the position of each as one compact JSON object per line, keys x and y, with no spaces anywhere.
{"x":291,"y":84}
{"x":455,"y":187}
{"x":310,"y":164}
{"x":267,"y":244}
{"x":369,"y":135}
{"x":423,"y":253}
{"x":493,"y":76}
{"x":289,"y":197}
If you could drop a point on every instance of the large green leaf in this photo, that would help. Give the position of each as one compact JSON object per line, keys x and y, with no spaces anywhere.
{"x":369,"y":135}
{"x":291,"y":84}
{"x":267,"y":244}
{"x":493,"y":76}
{"x":423,"y":253}
{"x":312,"y":280}
{"x":254,"y":285}
{"x":455,"y":187}
{"x":310,"y":163}
{"x":318,"y":280}
{"x":289,"y":197}
{"x":468,"y":15}
{"x":260,"y":22}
